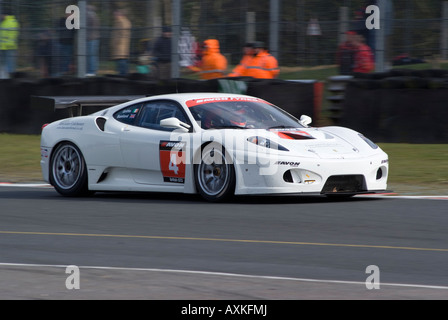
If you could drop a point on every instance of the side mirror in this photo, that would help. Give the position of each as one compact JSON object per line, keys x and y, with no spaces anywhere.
{"x":174,"y":123}
{"x":305,"y":120}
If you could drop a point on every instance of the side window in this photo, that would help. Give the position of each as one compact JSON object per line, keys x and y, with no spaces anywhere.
{"x":128,"y":115}
{"x":155,"y":111}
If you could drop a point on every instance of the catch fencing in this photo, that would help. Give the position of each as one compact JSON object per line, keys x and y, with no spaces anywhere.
{"x":300,"y":33}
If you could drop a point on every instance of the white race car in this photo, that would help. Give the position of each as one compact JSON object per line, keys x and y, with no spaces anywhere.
{"x":214,"y":144}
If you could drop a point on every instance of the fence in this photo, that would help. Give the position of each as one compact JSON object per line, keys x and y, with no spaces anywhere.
{"x":302,"y":33}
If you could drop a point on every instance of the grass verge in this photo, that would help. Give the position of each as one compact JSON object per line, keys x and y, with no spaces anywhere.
{"x":19,"y":158}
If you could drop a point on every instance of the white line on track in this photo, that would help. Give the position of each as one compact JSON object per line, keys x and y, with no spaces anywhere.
{"x":396,"y":196}
{"x":25,"y":185}
{"x":224,"y":274}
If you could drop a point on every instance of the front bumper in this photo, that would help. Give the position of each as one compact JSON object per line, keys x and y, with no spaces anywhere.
{"x":293,"y":175}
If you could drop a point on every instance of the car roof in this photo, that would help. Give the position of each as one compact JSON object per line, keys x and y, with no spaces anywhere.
{"x":183,"y":97}
{"x":180,"y":97}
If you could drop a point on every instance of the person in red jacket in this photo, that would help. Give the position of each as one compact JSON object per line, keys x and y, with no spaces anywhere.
{"x":263,"y":65}
{"x":363,"y":61}
{"x":213,"y":64}
{"x":354,"y":56}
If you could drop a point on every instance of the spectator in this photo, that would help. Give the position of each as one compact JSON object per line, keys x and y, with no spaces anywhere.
{"x":263,"y":65}
{"x":121,"y":40}
{"x":9,"y":33}
{"x":346,"y":54}
{"x":162,"y":53}
{"x":93,"y":41}
{"x":65,"y":47}
{"x":43,"y":53}
{"x":213,"y":64}
{"x":359,"y":24}
{"x":240,"y":69}
{"x":364,"y":61}
{"x":354,"y":56}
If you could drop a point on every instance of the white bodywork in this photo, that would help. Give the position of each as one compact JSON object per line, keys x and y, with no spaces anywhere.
{"x":130,"y":158}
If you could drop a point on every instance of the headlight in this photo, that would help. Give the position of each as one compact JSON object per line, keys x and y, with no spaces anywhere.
{"x":368,"y":141}
{"x":264,"y":142}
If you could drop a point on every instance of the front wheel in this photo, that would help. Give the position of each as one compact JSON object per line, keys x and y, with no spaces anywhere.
{"x":215,"y":174}
{"x":68,"y":173}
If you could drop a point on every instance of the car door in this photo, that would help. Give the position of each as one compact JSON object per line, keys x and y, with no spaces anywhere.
{"x":148,"y":149}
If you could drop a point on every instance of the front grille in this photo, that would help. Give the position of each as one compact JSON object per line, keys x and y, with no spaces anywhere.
{"x":344,"y":184}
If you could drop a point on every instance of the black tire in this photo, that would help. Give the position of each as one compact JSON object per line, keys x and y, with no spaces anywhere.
{"x":68,"y":173}
{"x":215,"y":174}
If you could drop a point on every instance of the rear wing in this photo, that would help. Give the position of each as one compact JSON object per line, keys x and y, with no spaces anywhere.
{"x":74,"y":104}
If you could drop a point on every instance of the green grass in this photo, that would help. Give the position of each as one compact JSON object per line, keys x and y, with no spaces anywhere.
{"x":19,"y":158}
{"x":413,"y":167}
{"x":322,"y":73}
{"x":417,"y":166}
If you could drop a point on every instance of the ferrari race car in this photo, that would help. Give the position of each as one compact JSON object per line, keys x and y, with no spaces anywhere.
{"x":214,"y":144}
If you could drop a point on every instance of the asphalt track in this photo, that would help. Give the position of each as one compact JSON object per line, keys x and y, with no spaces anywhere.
{"x":165,"y":246}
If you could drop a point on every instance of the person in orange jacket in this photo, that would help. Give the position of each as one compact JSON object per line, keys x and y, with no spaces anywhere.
{"x":213,"y":64}
{"x":263,"y":65}
{"x":248,"y":54}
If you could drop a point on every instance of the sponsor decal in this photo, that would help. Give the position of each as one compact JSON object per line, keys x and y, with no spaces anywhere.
{"x":195,"y":102}
{"x":70,"y":125}
{"x":172,"y":161}
{"x":44,"y":152}
{"x":288,"y":163}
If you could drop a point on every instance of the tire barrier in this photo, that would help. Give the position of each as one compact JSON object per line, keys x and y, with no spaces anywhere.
{"x":401,"y":106}
{"x":336,"y":86}
{"x":19,"y":115}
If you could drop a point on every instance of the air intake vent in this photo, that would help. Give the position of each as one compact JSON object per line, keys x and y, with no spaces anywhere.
{"x":287,"y":176}
{"x":343,"y":184}
{"x":100,"y":122}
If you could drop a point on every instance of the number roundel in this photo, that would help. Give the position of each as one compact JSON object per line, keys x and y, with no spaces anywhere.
{"x":172,"y":161}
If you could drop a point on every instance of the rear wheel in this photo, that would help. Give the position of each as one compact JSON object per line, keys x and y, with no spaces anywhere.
{"x":68,"y":172}
{"x":215,"y":174}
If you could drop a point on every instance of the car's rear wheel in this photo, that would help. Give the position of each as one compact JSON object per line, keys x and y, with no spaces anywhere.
{"x":68,"y":173}
{"x":215,"y":174}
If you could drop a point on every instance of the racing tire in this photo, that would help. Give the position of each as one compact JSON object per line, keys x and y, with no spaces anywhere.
{"x":215,"y":174}
{"x":68,"y":173}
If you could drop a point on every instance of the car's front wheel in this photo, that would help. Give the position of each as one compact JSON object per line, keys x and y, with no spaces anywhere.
{"x":68,"y":173}
{"x":215,"y":174}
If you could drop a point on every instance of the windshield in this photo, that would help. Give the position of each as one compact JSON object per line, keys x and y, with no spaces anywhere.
{"x":240,"y":113}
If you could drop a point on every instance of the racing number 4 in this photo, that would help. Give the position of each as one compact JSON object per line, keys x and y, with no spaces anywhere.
{"x":172,"y":161}
{"x":173,"y":164}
